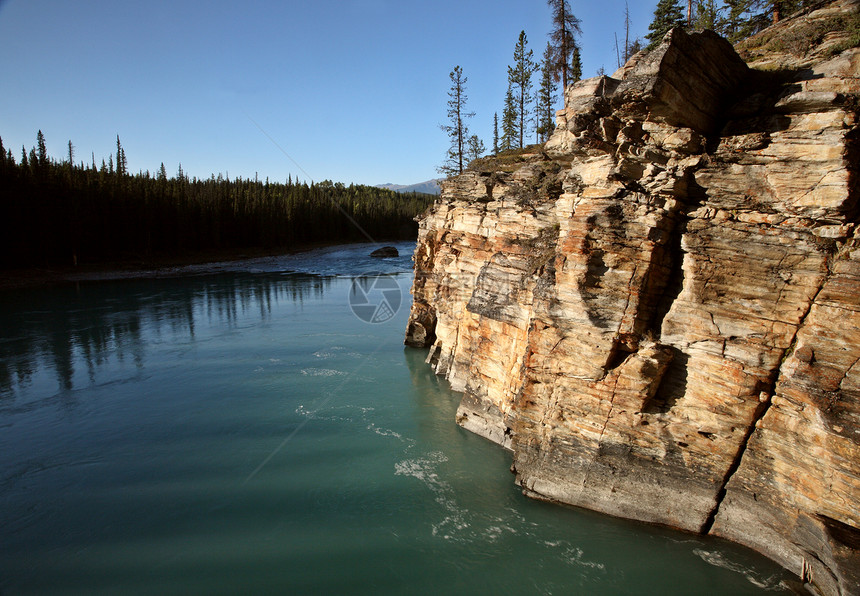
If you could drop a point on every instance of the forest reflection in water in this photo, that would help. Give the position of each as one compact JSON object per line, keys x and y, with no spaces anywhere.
{"x":86,"y":325}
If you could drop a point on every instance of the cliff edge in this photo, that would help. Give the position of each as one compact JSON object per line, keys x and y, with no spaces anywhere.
{"x":658,"y":311}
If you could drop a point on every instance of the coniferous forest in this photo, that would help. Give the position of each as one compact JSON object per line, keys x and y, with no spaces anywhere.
{"x":61,"y":213}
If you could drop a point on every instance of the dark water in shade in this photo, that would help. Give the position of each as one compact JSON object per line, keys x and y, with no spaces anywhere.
{"x":246,"y":433}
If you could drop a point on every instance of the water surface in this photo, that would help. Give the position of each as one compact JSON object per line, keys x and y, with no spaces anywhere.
{"x":245,"y":432}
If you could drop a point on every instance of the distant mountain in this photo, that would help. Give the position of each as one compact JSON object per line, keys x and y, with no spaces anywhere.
{"x":431,"y":187}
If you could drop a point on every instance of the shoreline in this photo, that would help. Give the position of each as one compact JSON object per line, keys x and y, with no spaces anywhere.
{"x":149,"y":267}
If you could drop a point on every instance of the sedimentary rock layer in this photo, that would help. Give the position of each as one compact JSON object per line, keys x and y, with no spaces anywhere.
{"x":658,"y":311}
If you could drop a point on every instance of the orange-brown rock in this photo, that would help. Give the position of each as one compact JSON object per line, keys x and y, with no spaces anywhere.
{"x":658,"y":311}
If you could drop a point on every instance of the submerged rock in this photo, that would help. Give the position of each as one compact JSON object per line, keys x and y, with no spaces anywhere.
{"x":658,"y":312}
{"x":385,"y":251}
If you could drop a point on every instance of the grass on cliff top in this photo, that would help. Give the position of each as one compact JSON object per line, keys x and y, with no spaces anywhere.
{"x":505,"y":161}
{"x":802,"y":39}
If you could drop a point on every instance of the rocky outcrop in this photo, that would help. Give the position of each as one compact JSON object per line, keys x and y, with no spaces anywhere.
{"x":658,"y":311}
{"x":385,"y":252}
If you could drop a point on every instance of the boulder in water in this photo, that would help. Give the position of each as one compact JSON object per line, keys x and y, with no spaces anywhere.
{"x":385,"y":251}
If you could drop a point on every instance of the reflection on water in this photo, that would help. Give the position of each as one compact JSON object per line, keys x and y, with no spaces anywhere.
{"x":95,"y":323}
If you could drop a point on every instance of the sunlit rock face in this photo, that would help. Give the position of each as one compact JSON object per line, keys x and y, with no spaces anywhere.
{"x":658,"y":311}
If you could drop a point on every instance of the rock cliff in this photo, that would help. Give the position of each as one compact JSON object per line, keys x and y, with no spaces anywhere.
{"x":658,"y":311}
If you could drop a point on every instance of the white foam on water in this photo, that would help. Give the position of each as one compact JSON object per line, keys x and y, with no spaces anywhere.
{"x":322,"y":372}
{"x":386,"y":432}
{"x":719,"y":560}
{"x":424,"y":469}
{"x":575,"y":555}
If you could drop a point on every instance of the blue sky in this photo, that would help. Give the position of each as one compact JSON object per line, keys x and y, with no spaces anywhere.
{"x":350,"y":90}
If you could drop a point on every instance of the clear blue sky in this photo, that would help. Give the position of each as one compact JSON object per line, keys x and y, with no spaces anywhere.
{"x":352,"y":90}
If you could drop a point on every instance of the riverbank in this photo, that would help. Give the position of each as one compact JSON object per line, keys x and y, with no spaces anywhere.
{"x":193,"y":263}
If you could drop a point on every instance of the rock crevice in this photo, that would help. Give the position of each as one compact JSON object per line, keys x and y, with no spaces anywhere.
{"x":657,"y":311}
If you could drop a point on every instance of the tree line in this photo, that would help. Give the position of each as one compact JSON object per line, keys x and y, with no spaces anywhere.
{"x":526,"y":111}
{"x":733,"y":19}
{"x":58,"y":212}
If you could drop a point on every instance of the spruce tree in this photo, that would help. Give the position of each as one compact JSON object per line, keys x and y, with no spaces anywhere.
{"x":575,"y":64}
{"x":474,"y":148}
{"x":121,"y":163}
{"x":545,"y":98}
{"x":43,"y":150}
{"x":520,"y":81}
{"x":496,"y":133}
{"x":667,"y":16}
{"x":456,"y":129}
{"x":707,"y":15}
{"x":565,"y":28}
{"x":509,"y":122}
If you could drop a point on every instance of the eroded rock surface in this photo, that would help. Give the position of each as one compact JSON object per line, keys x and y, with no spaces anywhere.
{"x":658,"y":311}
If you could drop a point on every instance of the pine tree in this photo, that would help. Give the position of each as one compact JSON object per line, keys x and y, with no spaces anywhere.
{"x":509,"y":122}
{"x":121,"y":163}
{"x":545,"y":98}
{"x":667,"y":16}
{"x":575,"y":64}
{"x":456,"y":130}
{"x":707,"y":15}
{"x":43,"y":151}
{"x":496,"y":133}
{"x":520,"y":80}
{"x":474,"y":148}
{"x":743,"y":18}
{"x":565,"y":28}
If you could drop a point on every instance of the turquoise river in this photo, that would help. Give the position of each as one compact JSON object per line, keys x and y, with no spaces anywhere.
{"x":241,"y":429}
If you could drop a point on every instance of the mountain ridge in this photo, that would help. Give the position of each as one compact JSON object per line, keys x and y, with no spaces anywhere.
{"x":430,"y":187}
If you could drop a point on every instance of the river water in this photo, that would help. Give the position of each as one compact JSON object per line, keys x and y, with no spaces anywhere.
{"x":242,"y":429}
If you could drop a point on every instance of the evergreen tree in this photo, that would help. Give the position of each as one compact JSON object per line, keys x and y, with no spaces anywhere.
{"x":565,"y":28}
{"x":121,"y":163}
{"x":520,"y":81}
{"x":545,"y":98}
{"x":707,"y":15}
{"x":43,"y":151}
{"x":496,"y":133}
{"x":457,"y":131}
{"x":510,"y":132}
{"x":575,"y":72}
{"x":474,"y":148}
{"x":667,"y":16}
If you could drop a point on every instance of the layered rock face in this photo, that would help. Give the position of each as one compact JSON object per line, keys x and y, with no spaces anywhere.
{"x":658,"y":311}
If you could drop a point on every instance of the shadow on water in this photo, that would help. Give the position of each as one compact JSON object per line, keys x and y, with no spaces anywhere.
{"x":91,"y":322}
